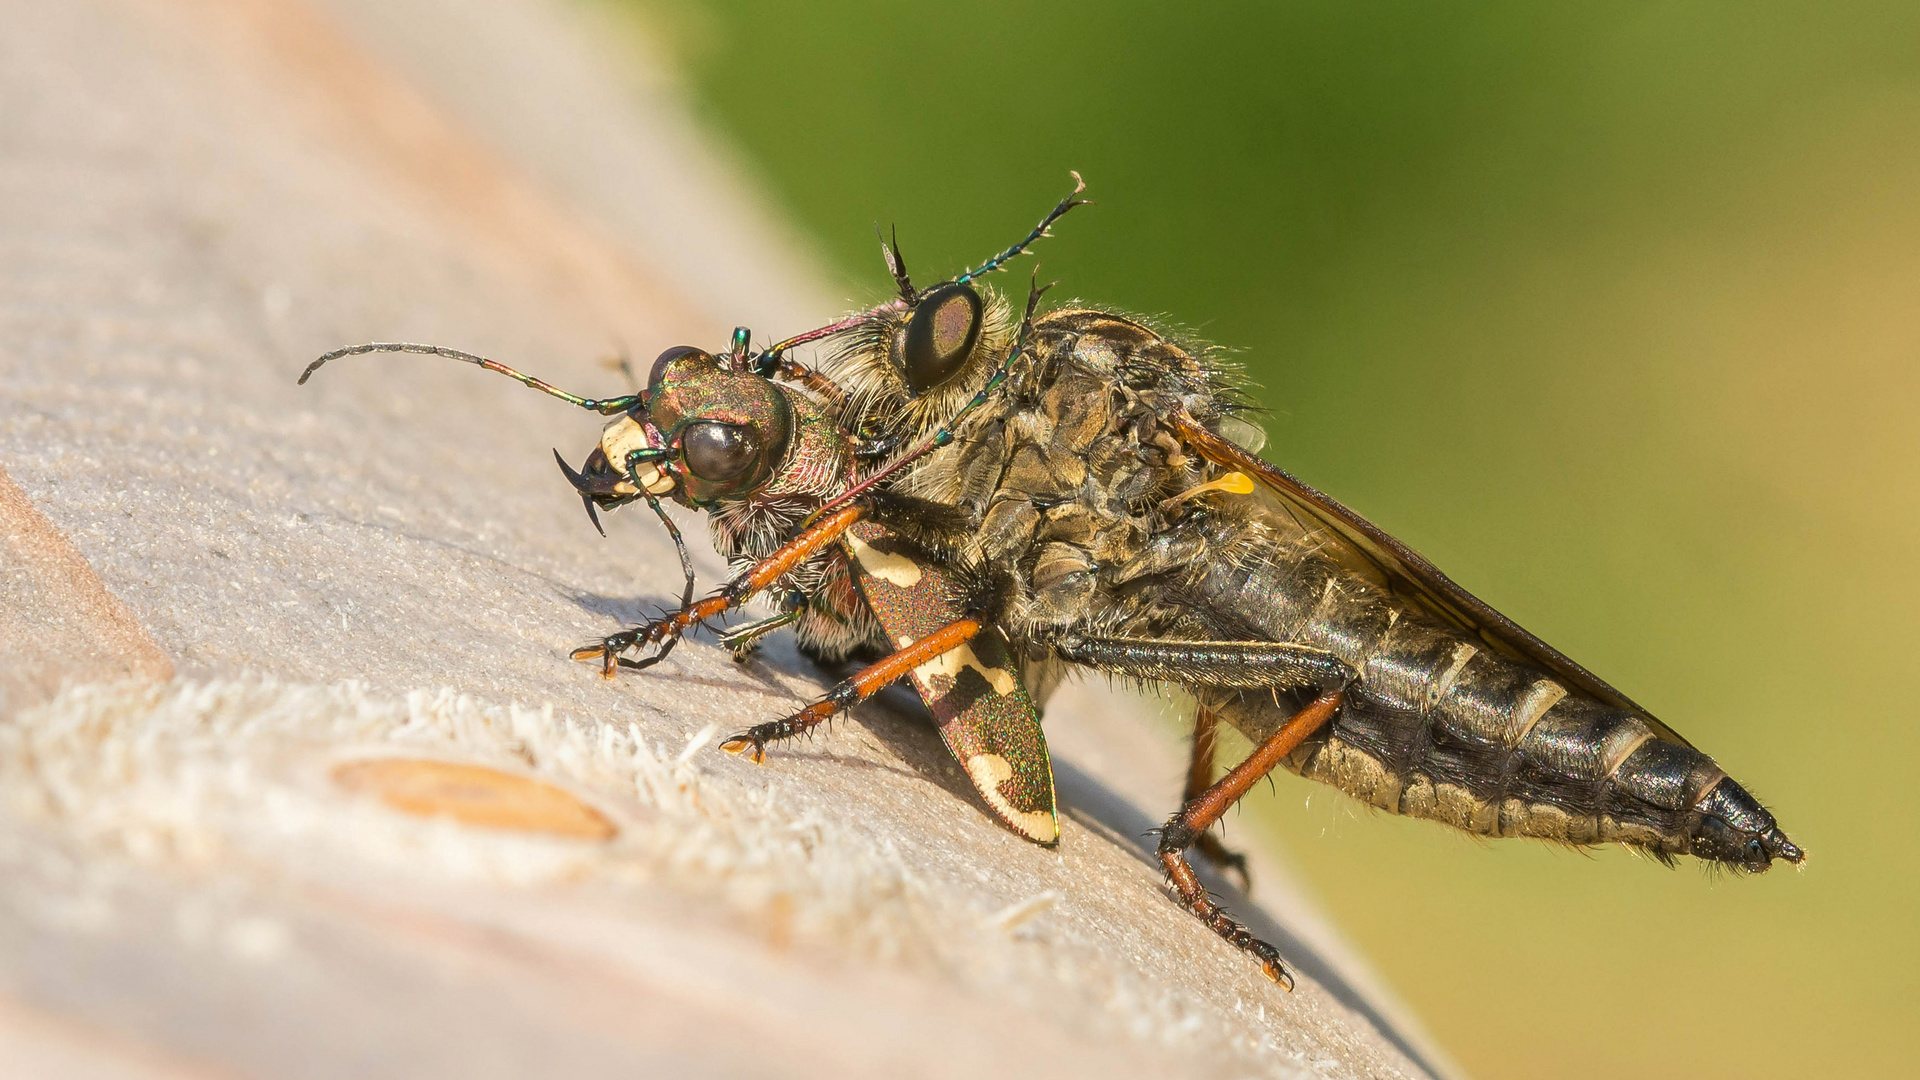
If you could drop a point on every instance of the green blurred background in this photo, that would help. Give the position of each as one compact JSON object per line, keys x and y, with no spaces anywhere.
{"x":1612,"y":310}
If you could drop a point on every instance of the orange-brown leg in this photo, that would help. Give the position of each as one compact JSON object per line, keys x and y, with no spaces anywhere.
{"x":666,"y":630}
{"x":1206,"y":728}
{"x":863,"y":685}
{"x":1193,"y":819}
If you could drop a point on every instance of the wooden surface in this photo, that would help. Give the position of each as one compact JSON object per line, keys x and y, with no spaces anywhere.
{"x":295,"y":779}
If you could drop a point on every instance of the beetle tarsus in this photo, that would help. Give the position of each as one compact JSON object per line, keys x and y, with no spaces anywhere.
{"x":1100,"y":505}
{"x":749,"y":744}
{"x":753,"y":741}
{"x":665,"y":632}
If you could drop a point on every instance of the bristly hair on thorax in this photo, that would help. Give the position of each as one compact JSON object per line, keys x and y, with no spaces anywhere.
{"x":865,"y":362}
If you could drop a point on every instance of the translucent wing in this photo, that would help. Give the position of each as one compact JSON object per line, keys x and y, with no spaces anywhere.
{"x":1408,"y":574}
{"x":986,"y":717}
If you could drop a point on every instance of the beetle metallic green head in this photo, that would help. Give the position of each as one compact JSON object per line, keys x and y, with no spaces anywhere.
{"x":702,"y":432}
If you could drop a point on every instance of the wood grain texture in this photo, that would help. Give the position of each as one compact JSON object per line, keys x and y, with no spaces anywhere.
{"x":58,"y":622}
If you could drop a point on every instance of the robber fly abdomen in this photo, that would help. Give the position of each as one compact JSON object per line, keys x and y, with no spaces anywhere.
{"x":1443,"y":727}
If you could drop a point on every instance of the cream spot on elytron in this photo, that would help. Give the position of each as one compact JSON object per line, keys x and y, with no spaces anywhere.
{"x":989,"y":771}
{"x":885,"y":565}
{"x":954,"y":660}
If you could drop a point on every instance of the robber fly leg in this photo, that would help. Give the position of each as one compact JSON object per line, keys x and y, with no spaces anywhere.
{"x":1193,"y":819}
{"x":1246,"y":664}
{"x":864,"y":684}
{"x":779,"y":367}
{"x":1206,"y":728}
{"x":666,"y":630}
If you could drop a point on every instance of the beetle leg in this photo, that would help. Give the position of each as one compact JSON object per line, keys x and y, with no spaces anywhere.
{"x":666,"y":630}
{"x":1206,"y":729}
{"x":1193,"y":819}
{"x":864,"y":684}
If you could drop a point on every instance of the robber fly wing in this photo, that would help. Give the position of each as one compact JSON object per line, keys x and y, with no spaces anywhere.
{"x":1405,"y":571}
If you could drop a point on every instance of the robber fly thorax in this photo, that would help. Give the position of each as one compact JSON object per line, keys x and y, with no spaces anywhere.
{"x":984,"y":503}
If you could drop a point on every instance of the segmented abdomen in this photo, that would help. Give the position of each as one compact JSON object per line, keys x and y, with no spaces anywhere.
{"x":1440,"y":726}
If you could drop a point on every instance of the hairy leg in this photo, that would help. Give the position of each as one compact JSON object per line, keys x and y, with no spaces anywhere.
{"x":1193,"y":819}
{"x":1206,"y":730}
{"x":1209,"y":663}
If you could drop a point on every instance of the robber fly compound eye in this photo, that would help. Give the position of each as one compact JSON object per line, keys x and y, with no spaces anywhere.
{"x":940,"y":335}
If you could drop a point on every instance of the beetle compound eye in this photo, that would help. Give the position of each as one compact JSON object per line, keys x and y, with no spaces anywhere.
{"x":940,"y":335}
{"x":666,"y":360}
{"x":718,"y":452}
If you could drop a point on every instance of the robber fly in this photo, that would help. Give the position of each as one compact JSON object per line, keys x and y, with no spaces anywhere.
{"x":983,"y":503}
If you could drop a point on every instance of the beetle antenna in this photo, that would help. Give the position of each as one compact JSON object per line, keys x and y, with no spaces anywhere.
{"x":622,"y":362}
{"x":1039,"y":231}
{"x":738,"y":349}
{"x":603,"y":406}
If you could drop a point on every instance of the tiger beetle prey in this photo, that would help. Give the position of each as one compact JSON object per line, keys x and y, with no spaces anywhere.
{"x":979,"y":502}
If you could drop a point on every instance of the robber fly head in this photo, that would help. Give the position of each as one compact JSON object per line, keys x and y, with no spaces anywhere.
{"x":916,"y":359}
{"x":913,"y":363}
